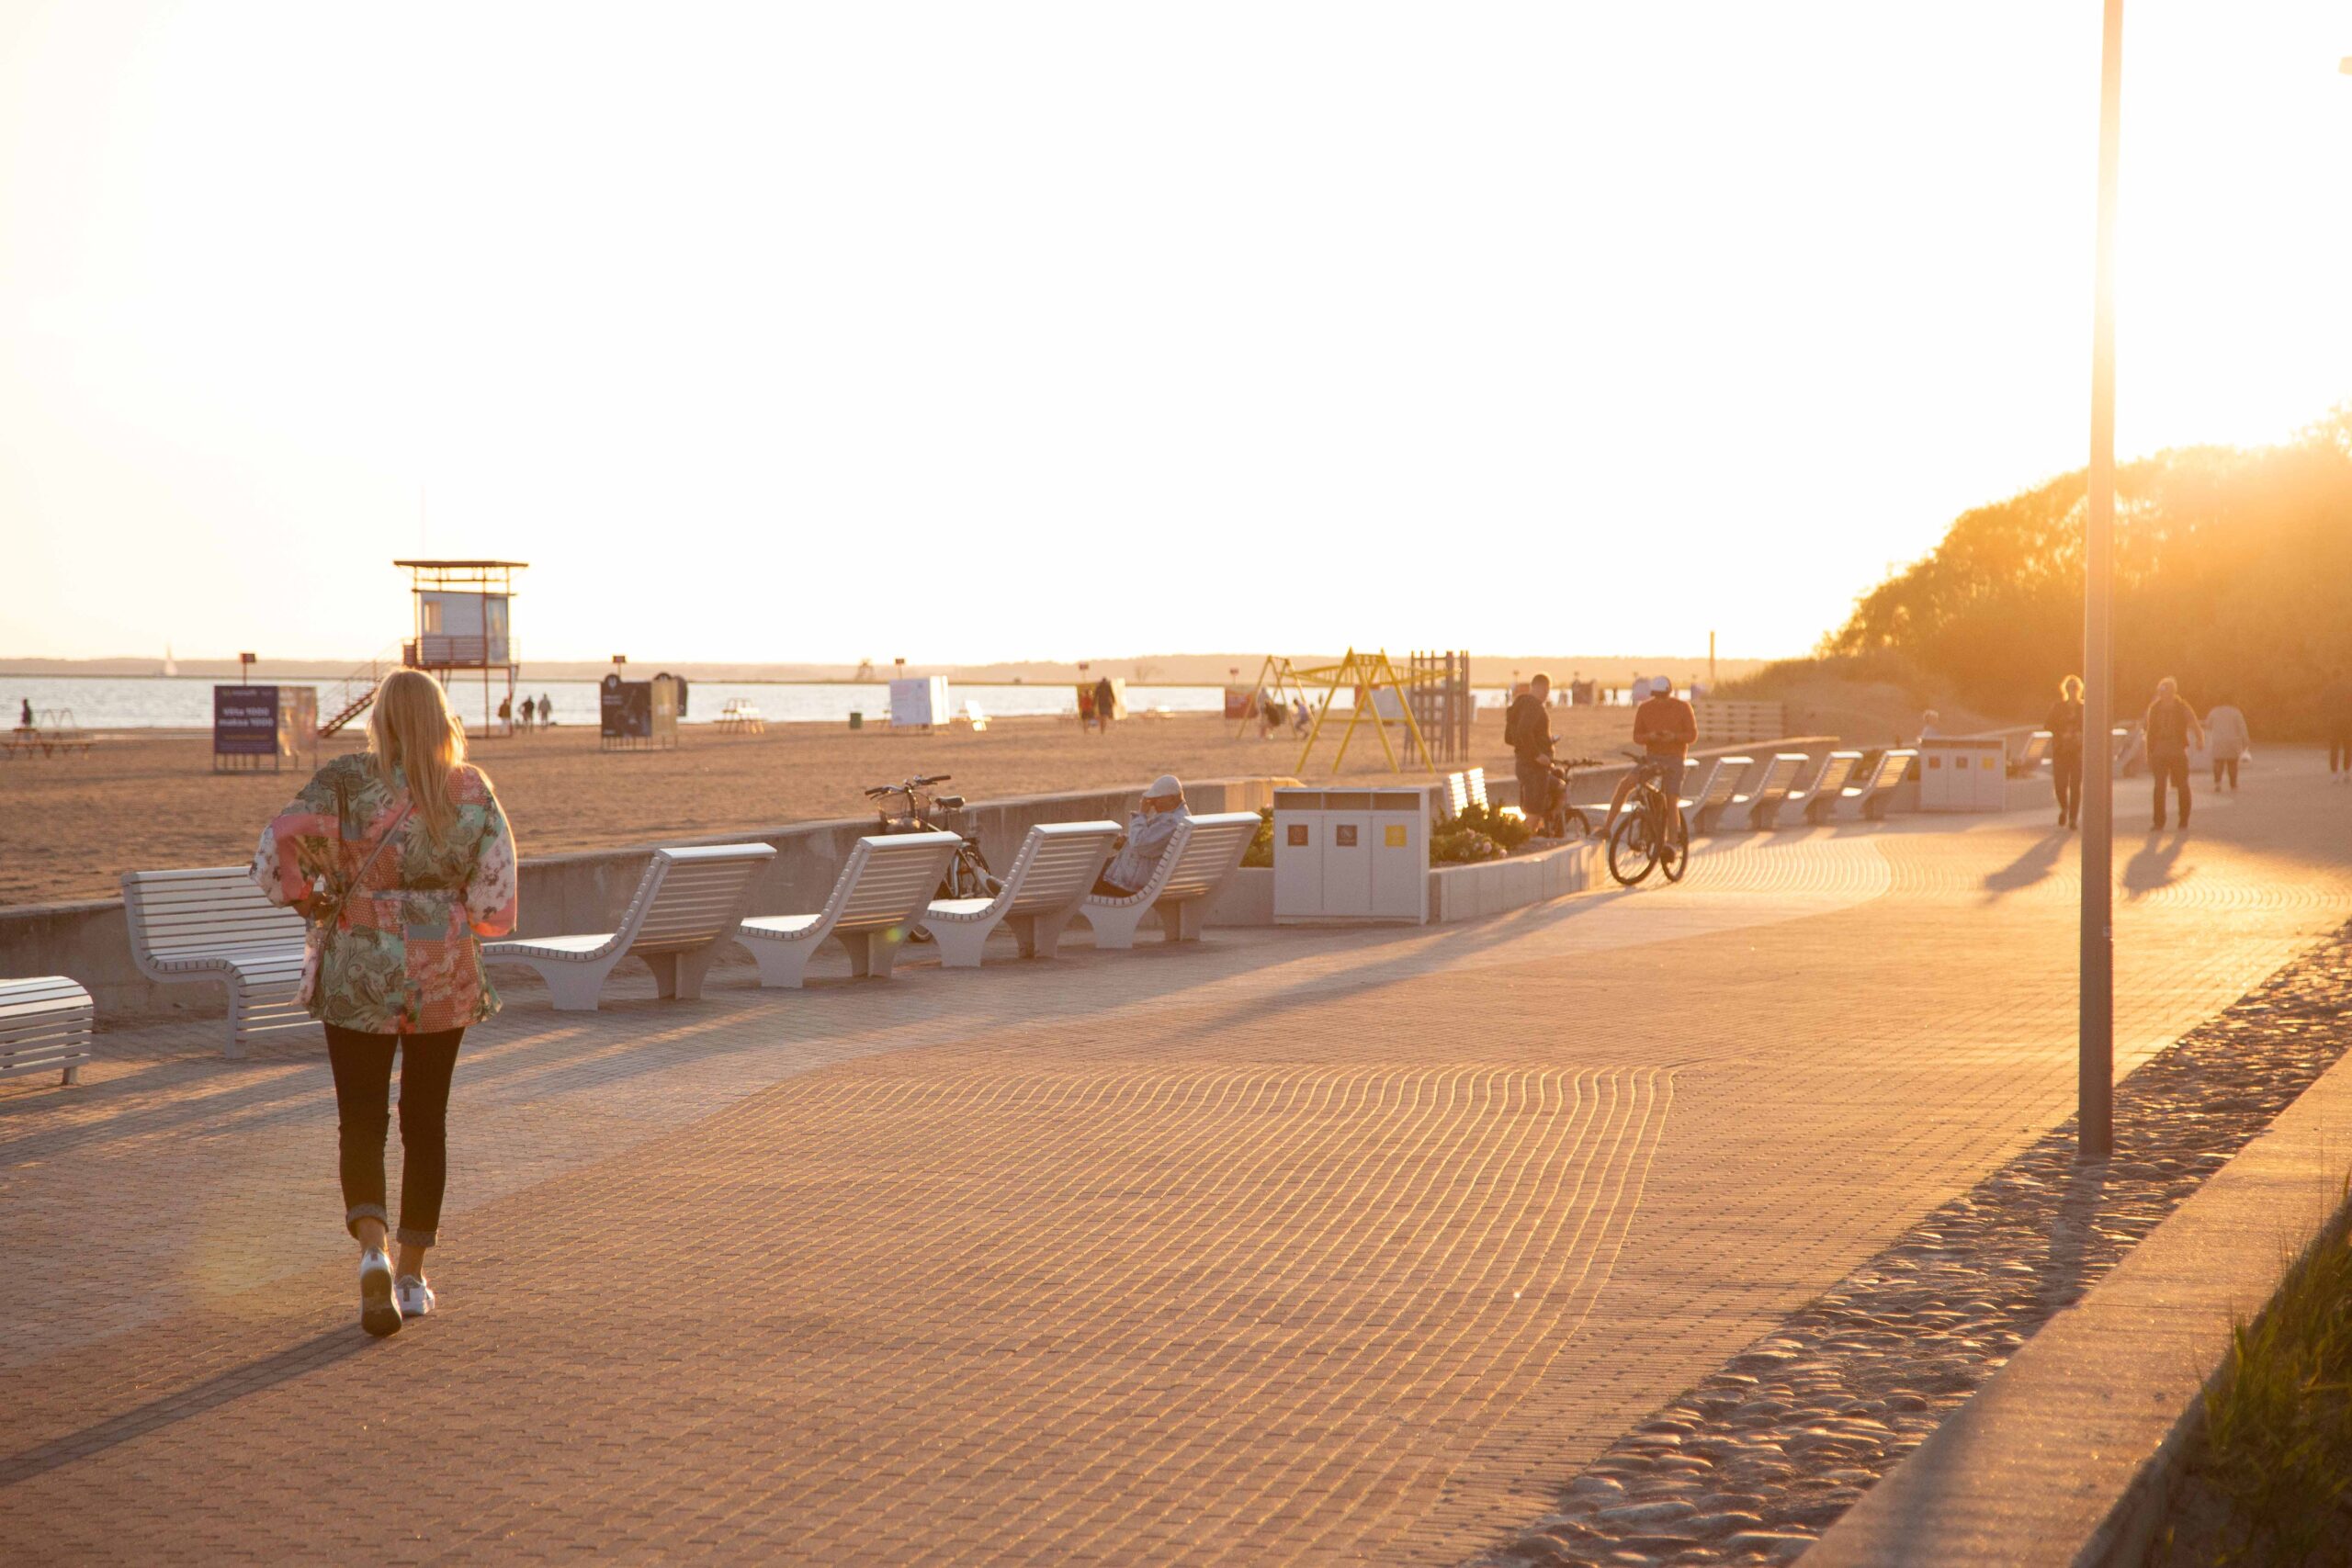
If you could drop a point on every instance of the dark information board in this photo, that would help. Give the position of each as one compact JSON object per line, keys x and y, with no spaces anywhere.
{"x":244,"y":721}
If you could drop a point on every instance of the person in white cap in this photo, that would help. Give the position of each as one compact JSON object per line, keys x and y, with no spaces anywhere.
{"x":1146,"y":840}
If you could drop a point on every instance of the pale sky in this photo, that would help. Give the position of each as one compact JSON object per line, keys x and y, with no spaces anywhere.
{"x":963,"y":331}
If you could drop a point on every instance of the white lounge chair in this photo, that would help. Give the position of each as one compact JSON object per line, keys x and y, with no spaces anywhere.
{"x":685,"y":904}
{"x":1762,"y":804}
{"x":1474,"y":781}
{"x":212,"y":924}
{"x":1055,"y":867}
{"x":1716,"y":792}
{"x":2036,"y":752}
{"x":1871,"y":796}
{"x":882,"y":890}
{"x":44,"y":1026}
{"x":1818,"y":800}
{"x":1200,"y":856}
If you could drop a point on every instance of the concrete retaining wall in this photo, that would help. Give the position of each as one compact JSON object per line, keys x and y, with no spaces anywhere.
{"x":582,"y":892}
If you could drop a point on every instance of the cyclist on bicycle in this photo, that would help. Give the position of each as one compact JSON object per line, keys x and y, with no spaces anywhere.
{"x":1664,"y":727}
{"x":1527,"y":730}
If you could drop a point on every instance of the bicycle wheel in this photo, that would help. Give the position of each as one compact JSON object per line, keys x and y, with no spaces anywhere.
{"x":1633,"y":852}
{"x":1574,"y":824}
{"x":1674,"y":847}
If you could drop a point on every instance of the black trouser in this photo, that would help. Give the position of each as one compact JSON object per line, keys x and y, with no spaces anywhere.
{"x":363,"y":1088}
{"x":2228,"y":765}
{"x":2066,"y":773}
{"x":2174,"y":771}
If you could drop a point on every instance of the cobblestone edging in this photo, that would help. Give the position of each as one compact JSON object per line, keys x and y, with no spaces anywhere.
{"x":1751,"y":1466}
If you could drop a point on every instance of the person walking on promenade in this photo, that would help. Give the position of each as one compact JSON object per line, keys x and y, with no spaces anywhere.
{"x":2335,"y":719}
{"x":1105,"y":699}
{"x":2227,"y":740}
{"x":400,"y":860}
{"x":2065,"y":722}
{"x":2170,"y":728}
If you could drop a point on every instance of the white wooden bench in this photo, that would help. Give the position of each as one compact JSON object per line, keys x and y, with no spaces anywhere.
{"x":1055,"y":867}
{"x":1762,"y":804}
{"x":885,"y":886}
{"x":44,"y":1027}
{"x":1870,"y":798}
{"x":1818,"y":800}
{"x":1473,"y":783}
{"x":1715,"y":793}
{"x":1198,"y":859}
{"x":685,"y":904}
{"x":213,"y":925}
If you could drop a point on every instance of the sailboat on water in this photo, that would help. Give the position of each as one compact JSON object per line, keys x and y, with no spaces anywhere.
{"x":171,"y":665}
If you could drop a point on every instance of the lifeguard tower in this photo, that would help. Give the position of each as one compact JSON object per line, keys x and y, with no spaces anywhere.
{"x":465,"y":628}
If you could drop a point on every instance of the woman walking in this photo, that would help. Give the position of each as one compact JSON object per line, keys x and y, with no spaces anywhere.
{"x":400,"y":860}
{"x":2065,"y":722}
{"x":2227,"y":740}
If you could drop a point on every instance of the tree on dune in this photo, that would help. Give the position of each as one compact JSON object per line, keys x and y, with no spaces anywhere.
{"x":2232,"y":572}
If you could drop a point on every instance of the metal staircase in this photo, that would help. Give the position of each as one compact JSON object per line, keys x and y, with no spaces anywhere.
{"x":352,"y":695}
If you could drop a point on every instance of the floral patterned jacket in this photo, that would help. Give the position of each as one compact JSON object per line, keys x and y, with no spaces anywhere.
{"x":402,"y":956}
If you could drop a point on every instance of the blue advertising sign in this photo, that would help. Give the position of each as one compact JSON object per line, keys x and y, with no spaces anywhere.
{"x":244,"y":721}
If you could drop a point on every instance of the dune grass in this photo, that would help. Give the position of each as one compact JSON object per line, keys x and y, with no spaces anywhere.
{"x":2279,"y":1418}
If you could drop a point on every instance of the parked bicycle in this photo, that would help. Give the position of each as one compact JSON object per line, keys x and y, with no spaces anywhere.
{"x":967,"y":874}
{"x":1560,"y":819}
{"x":1649,"y":833}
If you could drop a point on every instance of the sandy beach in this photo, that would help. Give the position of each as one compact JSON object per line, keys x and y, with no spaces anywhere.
{"x":71,"y":826}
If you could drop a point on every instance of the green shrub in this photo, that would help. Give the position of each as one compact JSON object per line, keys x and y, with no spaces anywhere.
{"x":1464,"y":846}
{"x":1261,"y":847}
{"x":1509,"y":831}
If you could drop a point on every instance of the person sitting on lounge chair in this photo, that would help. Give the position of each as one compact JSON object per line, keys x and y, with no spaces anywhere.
{"x":1149,"y":834}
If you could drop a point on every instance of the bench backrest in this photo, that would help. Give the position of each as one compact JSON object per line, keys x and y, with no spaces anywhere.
{"x":1779,"y":777}
{"x":1475,"y":782}
{"x":1057,"y":863}
{"x":1695,"y":795}
{"x":890,"y":879}
{"x":1835,"y":769}
{"x":690,"y":897}
{"x":208,"y":909}
{"x":1724,"y":782}
{"x":1457,"y":795}
{"x":44,"y":1022}
{"x":2037,"y":748}
{"x":1207,"y":854}
{"x":1893,"y":764}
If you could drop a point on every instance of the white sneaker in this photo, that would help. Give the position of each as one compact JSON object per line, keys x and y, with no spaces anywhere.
{"x":378,"y":1316}
{"x":413,"y":1294}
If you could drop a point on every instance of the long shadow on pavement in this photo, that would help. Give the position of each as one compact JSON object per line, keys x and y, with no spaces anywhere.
{"x":321,"y":1350}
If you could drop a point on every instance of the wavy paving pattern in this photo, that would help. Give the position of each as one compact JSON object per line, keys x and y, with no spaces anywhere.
{"x":1361,"y":1271}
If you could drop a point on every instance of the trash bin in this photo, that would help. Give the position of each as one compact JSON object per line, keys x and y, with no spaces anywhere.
{"x":856,"y":720}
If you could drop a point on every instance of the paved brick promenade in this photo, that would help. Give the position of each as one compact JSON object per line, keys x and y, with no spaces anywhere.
{"x":1300,"y":1247}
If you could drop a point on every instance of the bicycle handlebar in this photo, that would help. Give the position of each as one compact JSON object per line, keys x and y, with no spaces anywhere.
{"x":875,"y":792}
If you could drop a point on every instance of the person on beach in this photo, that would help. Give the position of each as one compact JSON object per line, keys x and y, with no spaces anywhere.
{"x":2227,"y":740}
{"x":1527,"y":730}
{"x":25,"y":713}
{"x":2065,"y":722}
{"x":547,"y":709}
{"x":400,"y":860}
{"x":1105,"y":700}
{"x":2170,"y":728}
{"x":1149,"y":832}
{"x":1300,"y":719}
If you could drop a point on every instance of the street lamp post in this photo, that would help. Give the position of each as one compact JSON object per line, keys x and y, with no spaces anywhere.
{"x":2095,"y":1066}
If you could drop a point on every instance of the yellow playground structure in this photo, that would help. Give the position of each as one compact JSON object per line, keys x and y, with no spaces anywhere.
{"x":1431,"y":697}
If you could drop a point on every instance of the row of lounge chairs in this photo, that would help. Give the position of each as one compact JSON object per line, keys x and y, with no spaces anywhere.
{"x":213,"y":925}
{"x":1839,"y":784}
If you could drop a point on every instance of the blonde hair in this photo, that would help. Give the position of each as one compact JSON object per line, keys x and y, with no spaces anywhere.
{"x":410,"y":727}
{"x":2072,"y":686}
